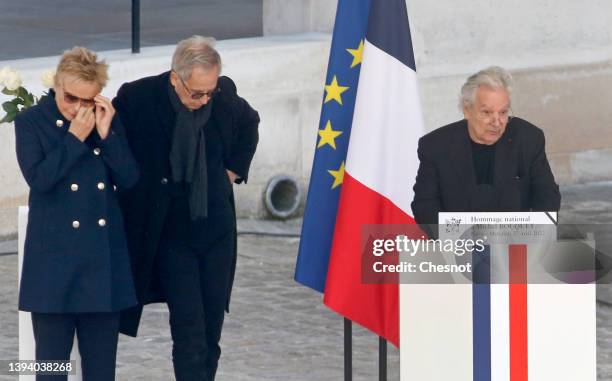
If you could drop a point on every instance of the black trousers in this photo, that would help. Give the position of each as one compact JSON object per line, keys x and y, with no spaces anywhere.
{"x":97,"y":335}
{"x":194,"y":275}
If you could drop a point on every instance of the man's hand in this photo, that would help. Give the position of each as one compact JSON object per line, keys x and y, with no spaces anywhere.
{"x":83,"y":123}
{"x":232,"y":176}
{"x":104,"y":115}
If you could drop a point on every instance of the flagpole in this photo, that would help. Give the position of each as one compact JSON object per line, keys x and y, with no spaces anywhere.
{"x":348,"y":350}
{"x":382,"y":359}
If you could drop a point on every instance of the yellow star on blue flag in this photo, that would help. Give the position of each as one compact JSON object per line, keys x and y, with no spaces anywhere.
{"x":338,"y":176}
{"x":357,"y":54}
{"x":328,"y":136}
{"x":334,"y":91}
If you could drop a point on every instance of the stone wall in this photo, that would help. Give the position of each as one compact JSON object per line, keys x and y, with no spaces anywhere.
{"x":559,"y":52}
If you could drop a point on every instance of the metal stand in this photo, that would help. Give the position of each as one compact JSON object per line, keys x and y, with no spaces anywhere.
{"x":135,"y":26}
{"x":348,"y":354}
{"x":382,"y":359}
{"x":348,"y":350}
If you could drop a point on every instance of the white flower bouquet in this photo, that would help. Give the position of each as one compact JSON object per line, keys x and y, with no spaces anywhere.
{"x":12,"y":85}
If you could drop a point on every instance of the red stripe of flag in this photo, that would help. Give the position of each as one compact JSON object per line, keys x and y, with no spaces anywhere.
{"x":518,"y":313}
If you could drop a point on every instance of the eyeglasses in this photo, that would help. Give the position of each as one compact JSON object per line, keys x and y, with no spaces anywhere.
{"x":199,"y":94}
{"x":72,"y":99}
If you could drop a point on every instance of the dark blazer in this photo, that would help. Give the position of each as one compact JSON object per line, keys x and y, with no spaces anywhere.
{"x":446,"y":181}
{"x":76,"y":257}
{"x":144,"y":107}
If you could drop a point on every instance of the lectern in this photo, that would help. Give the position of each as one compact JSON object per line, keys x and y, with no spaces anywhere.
{"x":526,"y":321}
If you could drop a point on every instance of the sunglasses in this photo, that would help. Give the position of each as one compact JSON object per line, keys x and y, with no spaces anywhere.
{"x":72,"y":99}
{"x":199,"y":94}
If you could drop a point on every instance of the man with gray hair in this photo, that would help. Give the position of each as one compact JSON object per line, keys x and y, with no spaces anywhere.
{"x":193,"y":137}
{"x":488,"y":161}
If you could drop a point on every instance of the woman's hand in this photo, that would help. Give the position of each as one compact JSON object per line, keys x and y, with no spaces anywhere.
{"x":83,"y":123}
{"x":104,"y":115}
{"x":232,"y":176}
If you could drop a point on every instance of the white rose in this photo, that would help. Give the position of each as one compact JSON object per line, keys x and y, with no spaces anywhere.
{"x":3,"y":72}
{"x":12,"y":80}
{"x":48,"y":78}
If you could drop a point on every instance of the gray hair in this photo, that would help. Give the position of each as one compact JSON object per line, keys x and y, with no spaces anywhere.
{"x":495,"y":77}
{"x":192,"y":52}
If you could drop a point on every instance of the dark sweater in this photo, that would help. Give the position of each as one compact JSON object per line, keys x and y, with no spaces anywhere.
{"x":484,"y":161}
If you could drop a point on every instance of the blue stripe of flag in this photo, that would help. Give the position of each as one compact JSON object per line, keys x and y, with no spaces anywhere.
{"x":391,"y":15}
{"x":481,"y":310}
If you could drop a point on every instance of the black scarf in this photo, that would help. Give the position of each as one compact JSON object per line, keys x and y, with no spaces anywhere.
{"x":188,"y":153}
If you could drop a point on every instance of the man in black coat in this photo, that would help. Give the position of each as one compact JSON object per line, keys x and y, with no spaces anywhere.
{"x":487,"y":162}
{"x":192,"y":136}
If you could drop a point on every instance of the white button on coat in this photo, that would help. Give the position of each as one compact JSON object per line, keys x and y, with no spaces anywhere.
{"x":102,"y":222}
{"x":76,"y":224}
{"x":74,"y":187}
{"x":59,"y":123}
{"x":96,"y":151}
{"x":101,"y":186}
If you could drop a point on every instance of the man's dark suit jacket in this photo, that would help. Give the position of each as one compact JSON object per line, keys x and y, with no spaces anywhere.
{"x":147,"y":114}
{"x":446,"y":181}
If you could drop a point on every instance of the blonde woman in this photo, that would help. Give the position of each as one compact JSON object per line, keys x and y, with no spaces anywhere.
{"x":76,"y":272}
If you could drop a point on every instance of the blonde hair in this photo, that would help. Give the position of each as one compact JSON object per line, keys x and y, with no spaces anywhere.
{"x":83,"y":64}
{"x":192,"y":52}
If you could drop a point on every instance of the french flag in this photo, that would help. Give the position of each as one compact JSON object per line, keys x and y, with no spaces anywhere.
{"x":378,"y":172}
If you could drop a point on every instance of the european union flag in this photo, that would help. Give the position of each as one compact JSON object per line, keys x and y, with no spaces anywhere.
{"x":332,"y":142}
